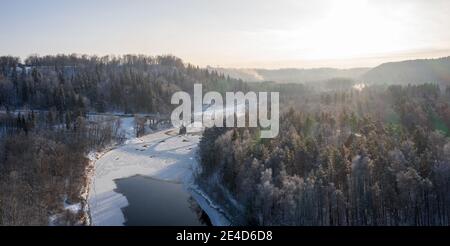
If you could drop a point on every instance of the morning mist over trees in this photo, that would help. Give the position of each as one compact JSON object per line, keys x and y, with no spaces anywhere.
{"x":87,"y":104}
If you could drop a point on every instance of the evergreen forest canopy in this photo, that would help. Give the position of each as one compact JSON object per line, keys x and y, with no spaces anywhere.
{"x":47,"y":125}
{"x":378,"y":155}
{"x":129,"y":83}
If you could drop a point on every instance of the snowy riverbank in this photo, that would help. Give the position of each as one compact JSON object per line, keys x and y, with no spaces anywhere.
{"x":162,"y":155}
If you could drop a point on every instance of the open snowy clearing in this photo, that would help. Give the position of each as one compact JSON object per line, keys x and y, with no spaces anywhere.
{"x":162,"y":155}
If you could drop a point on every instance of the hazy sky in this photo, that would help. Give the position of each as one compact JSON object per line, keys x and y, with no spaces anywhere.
{"x":232,"y":33}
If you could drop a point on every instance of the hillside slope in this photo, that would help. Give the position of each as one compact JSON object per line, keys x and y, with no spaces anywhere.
{"x":411,"y":72}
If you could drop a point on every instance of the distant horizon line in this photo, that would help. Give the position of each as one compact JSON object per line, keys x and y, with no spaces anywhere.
{"x":342,"y":64}
{"x":209,"y":66}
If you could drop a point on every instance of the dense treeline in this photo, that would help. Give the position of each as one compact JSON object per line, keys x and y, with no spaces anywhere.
{"x":43,"y":165}
{"x":128,"y":83}
{"x":47,"y":125}
{"x":380,"y":156}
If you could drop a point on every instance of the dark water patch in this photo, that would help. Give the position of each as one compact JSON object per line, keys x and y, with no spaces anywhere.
{"x":159,"y":203}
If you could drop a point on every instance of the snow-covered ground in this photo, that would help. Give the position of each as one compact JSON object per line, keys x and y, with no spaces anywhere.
{"x":215,"y":213}
{"x":164,"y":155}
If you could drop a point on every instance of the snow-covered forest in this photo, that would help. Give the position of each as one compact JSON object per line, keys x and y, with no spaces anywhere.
{"x":128,"y":84}
{"x":378,"y":156}
{"x":346,"y":154}
{"x":50,"y":122}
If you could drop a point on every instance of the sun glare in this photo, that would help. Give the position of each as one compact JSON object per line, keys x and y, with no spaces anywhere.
{"x":354,"y":29}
